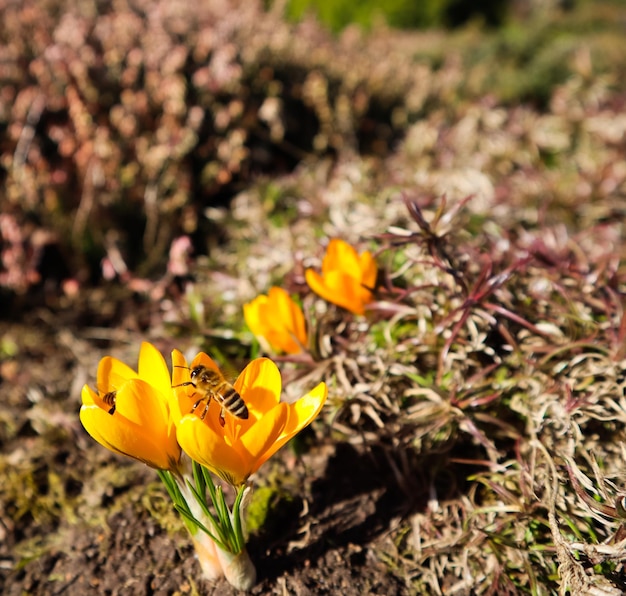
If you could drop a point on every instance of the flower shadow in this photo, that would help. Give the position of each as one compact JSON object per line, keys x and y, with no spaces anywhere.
{"x":355,"y":502}
{"x":352,"y":503}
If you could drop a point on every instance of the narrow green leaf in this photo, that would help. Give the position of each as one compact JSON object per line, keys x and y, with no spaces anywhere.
{"x":187,"y":515}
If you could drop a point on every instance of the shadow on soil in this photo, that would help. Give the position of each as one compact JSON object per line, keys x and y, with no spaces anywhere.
{"x":352,"y":503}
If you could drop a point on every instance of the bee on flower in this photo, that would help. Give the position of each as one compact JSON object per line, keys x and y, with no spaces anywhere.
{"x":130,"y":412}
{"x":237,"y":449}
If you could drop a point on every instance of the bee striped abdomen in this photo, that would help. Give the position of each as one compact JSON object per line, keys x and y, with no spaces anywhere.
{"x":233,"y":403}
{"x":109,"y":400}
{"x":210,"y":384}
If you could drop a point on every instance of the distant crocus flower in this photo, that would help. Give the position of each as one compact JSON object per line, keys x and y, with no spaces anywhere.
{"x":130,"y":412}
{"x":347,"y":278}
{"x":277,"y":319}
{"x":233,"y":447}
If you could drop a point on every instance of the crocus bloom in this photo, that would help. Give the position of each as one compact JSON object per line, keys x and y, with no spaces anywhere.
{"x":237,"y":449}
{"x":347,"y":278}
{"x":278,"y":319}
{"x":139,"y":425}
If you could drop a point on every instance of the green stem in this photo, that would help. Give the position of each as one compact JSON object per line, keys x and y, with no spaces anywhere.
{"x":216,"y":530}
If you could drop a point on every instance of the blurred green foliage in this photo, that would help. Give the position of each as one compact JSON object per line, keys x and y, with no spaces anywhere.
{"x":403,"y":14}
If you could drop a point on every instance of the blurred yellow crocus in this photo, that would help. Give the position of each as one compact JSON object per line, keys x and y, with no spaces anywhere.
{"x":130,"y":412}
{"x":347,"y":278}
{"x":237,"y":449}
{"x":277,"y":319}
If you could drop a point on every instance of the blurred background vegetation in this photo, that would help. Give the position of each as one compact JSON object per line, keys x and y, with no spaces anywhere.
{"x":123,"y":122}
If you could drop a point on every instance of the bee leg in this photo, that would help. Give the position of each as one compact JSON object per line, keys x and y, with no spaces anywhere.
{"x":206,"y":409}
{"x":112,"y":410}
{"x":222,"y":419}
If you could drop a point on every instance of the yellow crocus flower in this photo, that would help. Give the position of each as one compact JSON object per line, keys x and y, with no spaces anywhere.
{"x":130,"y":412}
{"x":237,"y":449}
{"x":278,"y":319}
{"x":347,"y":278}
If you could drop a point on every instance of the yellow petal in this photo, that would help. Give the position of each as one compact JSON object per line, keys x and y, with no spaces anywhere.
{"x":153,"y":368}
{"x":140,"y":403}
{"x":347,"y":290}
{"x":278,"y":319}
{"x":290,"y":319}
{"x":260,"y":386}
{"x":91,"y":398}
{"x":285,"y":342}
{"x":369,"y":270}
{"x":340,"y":256}
{"x":88,"y":396}
{"x":112,"y":374}
{"x":342,"y":290}
{"x":252,"y":315}
{"x":317,"y":284}
{"x":180,"y":375}
{"x":257,"y":445}
{"x":208,"y":448}
{"x":300,"y":414}
{"x":180,"y":368}
{"x":346,"y":277}
{"x":204,"y":360}
{"x":125,"y":437}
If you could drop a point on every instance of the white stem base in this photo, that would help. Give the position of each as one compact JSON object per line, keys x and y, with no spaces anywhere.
{"x":238,"y":569}
{"x":206,"y":551}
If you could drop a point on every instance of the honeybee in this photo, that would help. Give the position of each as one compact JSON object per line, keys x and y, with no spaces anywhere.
{"x":211,"y":384}
{"x":109,"y":400}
